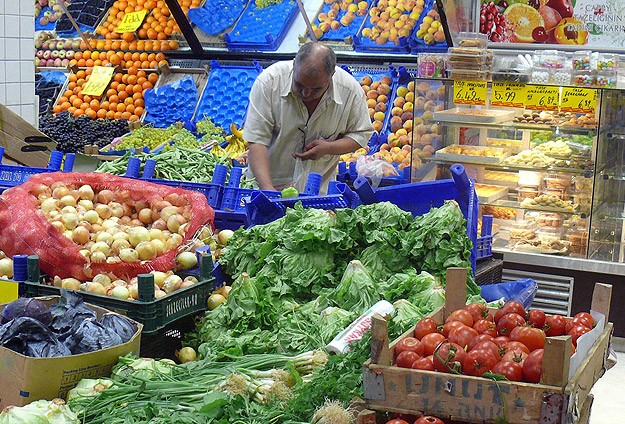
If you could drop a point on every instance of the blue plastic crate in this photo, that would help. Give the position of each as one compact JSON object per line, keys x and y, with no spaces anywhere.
{"x":49,"y":26}
{"x":342,"y":33}
{"x":262,"y":29}
{"x":215,"y":16}
{"x":14,"y":175}
{"x":234,"y":198}
{"x":485,"y":239}
{"x":226,"y":95}
{"x":228,"y":220}
{"x":347,"y":173}
{"x":171,"y":103}
{"x":417,"y":45}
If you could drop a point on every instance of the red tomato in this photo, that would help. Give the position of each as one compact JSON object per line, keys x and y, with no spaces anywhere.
{"x":576,"y":332}
{"x":430,"y":341}
{"x":462,"y":335}
{"x":533,"y":366}
{"x":486,"y":327}
{"x":449,"y":357}
{"x":506,"y":323}
{"x":501,"y":340}
{"x":409,"y":343}
{"x":450,"y":325}
{"x":536,"y":318}
{"x":397,"y":421}
{"x":489,"y":346}
{"x":587,"y":318}
{"x":406,"y":359}
{"x":514,"y":345}
{"x":479,"y":361}
{"x":426,"y":363}
{"x":513,"y":371}
{"x":479,"y":311}
{"x":425,"y":326}
{"x":461,"y":315}
{"x":555,"y":325}
{"x":533,"y":338}
{"x":428,"y":419}
{"x":511,"y":307}
{"x":515,"y":355}
{"x":480,"y":338}
{"x":573,"y":322}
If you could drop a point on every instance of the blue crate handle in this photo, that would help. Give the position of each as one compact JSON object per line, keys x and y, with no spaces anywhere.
{"x":68,"y":165}
{"x":133,"y":168}
{"x":261,"y":210}
{"x":56,"y":158}
{"x":149,"y":168}
{"x":1,"y":153}
{"x":219,"y":175}
{"x":235,"y":177}
{"x":487,"y":225}
{"x":365,"y":191}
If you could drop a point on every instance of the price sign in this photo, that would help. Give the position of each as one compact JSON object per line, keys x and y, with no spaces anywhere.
{"x":579,"y":100}
{"x":131,"y":21}
{"x":98,"y":80}
{"x":508,"y":94}
{"x":8,"y":291}
{"x":470,"y":92}
{"x":542,"y":97}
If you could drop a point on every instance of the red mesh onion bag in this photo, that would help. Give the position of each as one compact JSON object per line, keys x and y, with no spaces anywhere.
{"x":24,"y":228}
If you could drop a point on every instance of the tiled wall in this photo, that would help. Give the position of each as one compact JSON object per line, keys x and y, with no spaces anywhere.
{"x":17,"y":49}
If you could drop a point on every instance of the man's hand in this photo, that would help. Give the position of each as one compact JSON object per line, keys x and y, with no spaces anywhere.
{"x":313,"y":150}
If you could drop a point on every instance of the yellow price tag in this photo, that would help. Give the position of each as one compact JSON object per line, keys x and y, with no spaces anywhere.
{"x":508,"y":94}
{"x":579,"y":100}
{"x":98,"y":80}
{"x":542,"y":97}
{"x":470,"y":92}
{"x":8,"y":291}
{"x":131,"y":21}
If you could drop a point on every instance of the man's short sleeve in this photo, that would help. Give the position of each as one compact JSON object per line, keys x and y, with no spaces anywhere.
{"x":259,"y":122}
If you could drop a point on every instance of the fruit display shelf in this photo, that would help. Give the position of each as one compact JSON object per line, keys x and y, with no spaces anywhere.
{"x":262,"y":28}
{"x":215,"y":18}
{"x":428,"y":41}
{"x":337,"y":22}
{"x":86,"y":13}
{"x":226,"y":94}
{"x":48,"y":85}
{"x":175,"y":96}
{"x":42,"y":24}
{"x":378,"y":35}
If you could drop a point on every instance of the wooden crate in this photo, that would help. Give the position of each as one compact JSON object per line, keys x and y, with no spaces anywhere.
{"x":556,"y":399}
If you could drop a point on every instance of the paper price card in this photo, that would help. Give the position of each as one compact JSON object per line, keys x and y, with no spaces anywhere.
{"x":98,"y":80}
{"x":8,"y":291}
{"x":508,"y":94}
{"x":578,"y":100}
{"x":131,"y":21}
{"x":470,"y":92}
{"x":542,"y":97}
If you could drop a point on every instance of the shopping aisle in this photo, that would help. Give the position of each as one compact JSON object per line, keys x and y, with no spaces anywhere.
{"x":608,"y":406}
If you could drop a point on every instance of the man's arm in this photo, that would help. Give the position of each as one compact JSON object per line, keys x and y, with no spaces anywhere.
{"x":259,"y":164}
{"x":315,"y":149}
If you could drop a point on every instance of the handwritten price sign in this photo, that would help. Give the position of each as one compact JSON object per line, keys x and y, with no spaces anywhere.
{"x":470,"y":92}
{"x":98,"y":80}
{"x":508,"y":94}
{"x":131,"y":21}
{"x":579,"y":100}
{"x":541,"y":97}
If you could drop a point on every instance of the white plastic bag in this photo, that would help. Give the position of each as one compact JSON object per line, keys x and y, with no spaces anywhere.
{"x":374,"y":168}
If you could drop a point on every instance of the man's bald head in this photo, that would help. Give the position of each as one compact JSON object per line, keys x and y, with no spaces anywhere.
{"x":316,"y":57}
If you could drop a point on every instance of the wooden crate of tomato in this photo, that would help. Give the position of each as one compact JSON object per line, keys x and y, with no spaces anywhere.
{"x":452,"y":364}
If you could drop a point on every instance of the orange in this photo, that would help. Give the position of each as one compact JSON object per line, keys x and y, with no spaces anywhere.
{"x":89,"y":63}
{"x":91,"y":113}
{"x":98,"y":62}
{"x":153,"y":77}
{"x":122,"y":95}
{"x":86,"y":99}
{"x":145,"y":65}
{"x":79,"y":112}
{"x":113,"y":106}
{"x":137,"y":88}
{"x":138,"y":111}
{"x":132,"y":79}
{"x":127,"y":56}
{"x":56,"y":109}
{"x":94,"y":104}
{"x":110,"y":114}
{"x":523,"y":19}
{"x":142,"y":33}
{"x":121,"y":107}
{"x":113,"y":99}
{"x":134,"y":118}
{"x":125,"y":79}
{"x":159,"y":56}
{"x":126,"y":115}
{"x":130,"y":108}
{"x":133,"y":70}
{"x":117,"y":115}
{"x":136,"y":56}
{"x":76,"y":102}
{"x":118,"y":76}
{"x":104,"y":105}
{"x":144,"y":56}
{"x":147,"y":85}
{"x":121,"y":87}
{"x":101,"y":114}
{"x":114,"y":86}
{"x":71,"y":85}
{"x":139,"y":103}
{"x":115,"y":60}
{"x":129,"y":101}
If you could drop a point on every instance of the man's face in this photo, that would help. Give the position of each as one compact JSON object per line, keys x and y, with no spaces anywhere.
{"x":309,"y":84}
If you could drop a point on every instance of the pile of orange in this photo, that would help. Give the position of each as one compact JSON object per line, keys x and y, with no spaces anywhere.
{"x":123,"y":98}
{"x":149,"y":45}
{"x":159,"y":24}
{"x":142,"y":60}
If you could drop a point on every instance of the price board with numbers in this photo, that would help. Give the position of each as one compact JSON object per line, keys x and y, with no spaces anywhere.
{"x":542,"y":97}
{"x":508,"y":94}
{"x":470,"y":92}
{"x":98,"y":80}
{"x":578,"y":100}
{"x":131,"y":21}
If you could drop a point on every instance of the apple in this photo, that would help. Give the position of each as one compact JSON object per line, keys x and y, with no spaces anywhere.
{"x":70,"y":54}
{"x":46,"y":54}
{"x":62,"y":54}
{"x":44,"y":21}
{"x":39,"y":54}
{"x":76,"y":45}
{"x":67,"y":44}
{"x":57,"y":62}
{"x":50,"y":62}
{"x":54,"y":54}
{"x":65,"y":62}
{"x":564,"y":7}
{"x":47,"y":13}
{"x":45,"y":45}
{"x":37,"y":60}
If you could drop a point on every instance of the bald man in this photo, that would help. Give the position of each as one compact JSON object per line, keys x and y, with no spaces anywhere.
{"x":302,"y":115}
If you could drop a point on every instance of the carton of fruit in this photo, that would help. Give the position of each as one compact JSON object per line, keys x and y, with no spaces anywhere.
{"x":561,"y":395}
{"x":472,"y":154}
{"x":468,"y":115}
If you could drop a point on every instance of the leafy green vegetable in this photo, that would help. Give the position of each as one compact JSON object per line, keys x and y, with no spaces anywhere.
{"x":356,"y":291}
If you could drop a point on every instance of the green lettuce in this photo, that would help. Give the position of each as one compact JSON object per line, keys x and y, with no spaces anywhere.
{"x":356,"y":290}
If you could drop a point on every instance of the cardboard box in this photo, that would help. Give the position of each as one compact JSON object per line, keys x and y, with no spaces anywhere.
{"x":562,"y":396}
{"x":25,"y":379}
{"x":15,"y":133}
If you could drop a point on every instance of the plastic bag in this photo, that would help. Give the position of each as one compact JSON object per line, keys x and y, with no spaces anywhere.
{"x":522,"y":291}
{"x":374,"y":168}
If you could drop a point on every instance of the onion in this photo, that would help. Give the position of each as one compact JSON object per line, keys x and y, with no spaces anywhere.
{"x":86,"y":192}
{"x":113,"y":260}
{"x":145,"y":215}
{"x":96,"y":228}
{"x":159,"y":246}
{"x":68,"y":209}
{"x":58,"y":225}
{"x":98,"y":257}
{"x":124,"y":220}
{"x":133,"y":291}
{"x":158,"y":206}
{"x":159,"y":278}
{"x":105,"y":196}
{"x":87,"y":204}
{"x":174,"y":222}
{"x":70,"y":220}
{"x":40,"y":189}
{"x":171,"y":283}
{"x":85,"y":252}
{"x":174,"y":241}
{"x":169,"y":211}
{"x":183,"y":228}
{"x":159,"y":293}
{"x":96,"y":288}
{"x":186,"y":260}
{"x":109,"y":223}
{"x":80,"y":235}
{"x":104,"y":237}
{"x":121,"y":235}
{"x":138,"y":234}
{"x":176,"y":199}
{"x":141,"y":204}
{"x":101,"y":246}
{"x":118,"y":245}
{"x":102,"y":279}
{"x":128,"y":255}
{"x":190,"y":278}
{"x":118,"y":282}
{"x":214,"y":301}
{"x":120,"y":292}
{"x":48,"y":205}
{"x":224,"y":236}
{"x":103,"y":211}
{"x":186,"y":354}
{"x":70,"y":284}
{"x":205,"y":234}
{"x":60,"y":192}
{"x":116,"y":229}
{"x":146,"y":251}
{"x":156,"y":234}
{"x":67,"y":201}
{"x":91,"y":216}
{"x":186,"y":283}
{"x":159,"y":224}
{"x":117,"y":209}
{"x":6,"y":267}
{"x":54,"y":215}
{"x":68,"y":234}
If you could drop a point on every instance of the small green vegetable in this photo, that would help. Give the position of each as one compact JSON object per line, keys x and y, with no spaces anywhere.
{"x":289,"y":192}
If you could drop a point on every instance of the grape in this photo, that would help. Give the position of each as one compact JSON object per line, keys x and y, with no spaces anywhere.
{"x":147,"y":136}
{"x":209,"y":131}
